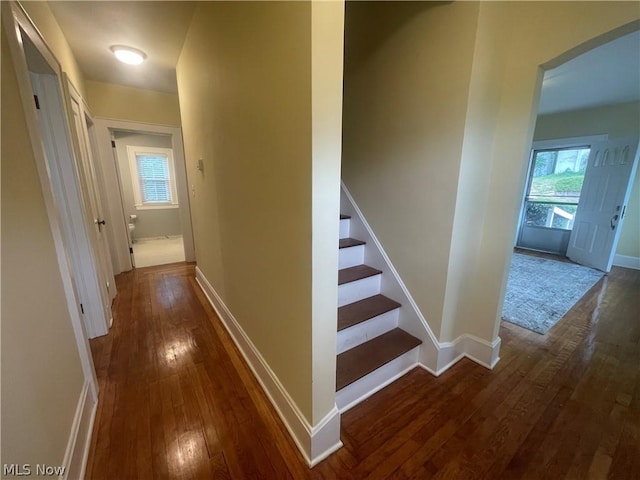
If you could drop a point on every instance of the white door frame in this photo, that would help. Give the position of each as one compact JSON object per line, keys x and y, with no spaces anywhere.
{"x":60,"y":187}
{"x":89,"y":124}
{"x":114,"y":213}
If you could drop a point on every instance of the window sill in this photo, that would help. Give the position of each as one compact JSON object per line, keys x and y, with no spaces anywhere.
{"x":164,"y":206}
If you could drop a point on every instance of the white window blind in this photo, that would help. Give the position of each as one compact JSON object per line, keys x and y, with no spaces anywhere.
{"x":154,"y":178}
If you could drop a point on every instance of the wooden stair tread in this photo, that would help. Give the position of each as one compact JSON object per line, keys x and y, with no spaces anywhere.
{"x":350,"y":242}
{"x":367,"y":357}
{"x":358,"y":272}
{"x":357,"y":312}
{"x":344,"y":217}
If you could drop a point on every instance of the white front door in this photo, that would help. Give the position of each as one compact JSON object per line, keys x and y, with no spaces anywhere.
{"x":605,"y":192}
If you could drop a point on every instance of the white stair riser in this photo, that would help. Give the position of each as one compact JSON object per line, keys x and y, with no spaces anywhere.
{"x":360,"y":390}
{"x":344,"y":228}
{"x":358,"y":290}
{"x":365,"y":331}
{"x":351,"y":256}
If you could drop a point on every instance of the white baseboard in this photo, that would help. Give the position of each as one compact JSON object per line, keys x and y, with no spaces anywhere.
{"x":471,"y":347}
{"x":627,"y":261}
{"x":480,"y":351}
{"x":315,"y":443}
{"x":434,"y":356}
{"x":77,"y":451}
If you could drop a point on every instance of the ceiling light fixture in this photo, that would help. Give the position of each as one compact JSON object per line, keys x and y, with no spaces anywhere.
{"x":128,"y":55}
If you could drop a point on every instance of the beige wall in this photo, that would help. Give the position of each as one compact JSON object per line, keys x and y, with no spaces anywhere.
{"x":41,"y":371}
{"x":45,"y":22}
{"x":407,"y":74}
{"x":119,"y":102}
{"x":622,"y":120}
{"x":438,"y":121}
{"x":244,"y":79}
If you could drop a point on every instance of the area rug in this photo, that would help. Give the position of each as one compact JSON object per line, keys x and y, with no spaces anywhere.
{"x":540,"y":291}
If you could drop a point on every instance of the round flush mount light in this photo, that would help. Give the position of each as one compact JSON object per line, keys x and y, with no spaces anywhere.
{"x":128,"y":55}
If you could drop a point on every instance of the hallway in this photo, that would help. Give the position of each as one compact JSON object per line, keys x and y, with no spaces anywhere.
{"x":177,"y":400}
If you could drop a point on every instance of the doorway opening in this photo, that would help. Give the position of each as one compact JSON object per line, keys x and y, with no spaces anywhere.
{"x":582,"y":167}
{"x":150,"y":216}
{"x":147,"y":175}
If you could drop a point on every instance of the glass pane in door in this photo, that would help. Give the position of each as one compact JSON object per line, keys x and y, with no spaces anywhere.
{"x":554,"y":190}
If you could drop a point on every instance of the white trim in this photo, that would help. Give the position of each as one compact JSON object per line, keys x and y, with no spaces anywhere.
{"x":77,"y":451}
{"x":315,"y":443}
{"x":434,"y":356}
{"x":325,"y":437}
{"x":626,"y":261}
{"x":157,"y":206}
{"x":482,"y":352}
{"x":117,"y":228}
{"x":568,"y":142}
{"x":474,"y":348}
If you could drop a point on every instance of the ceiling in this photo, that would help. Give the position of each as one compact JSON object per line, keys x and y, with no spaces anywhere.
{"x":157,"y":28}
{"x":605,"y":75}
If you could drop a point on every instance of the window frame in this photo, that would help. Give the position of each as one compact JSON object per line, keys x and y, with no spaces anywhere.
{"x":132,"y":152}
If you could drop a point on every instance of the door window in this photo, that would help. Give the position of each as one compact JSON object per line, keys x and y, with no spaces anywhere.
{"x":554,"y":187}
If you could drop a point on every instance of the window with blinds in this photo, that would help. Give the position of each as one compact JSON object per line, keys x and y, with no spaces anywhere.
{"x":154,"y":178}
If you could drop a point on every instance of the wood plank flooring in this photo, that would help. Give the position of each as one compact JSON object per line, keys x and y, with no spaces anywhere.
{"x":177,"y":400}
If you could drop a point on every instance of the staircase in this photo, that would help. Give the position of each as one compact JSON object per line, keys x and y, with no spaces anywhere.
{"x":372,"y":350}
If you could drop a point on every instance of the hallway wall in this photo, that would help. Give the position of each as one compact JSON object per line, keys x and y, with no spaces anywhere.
{"x":41,"y":372}
{"x":120,"y":102}
{"x":244,"y":81}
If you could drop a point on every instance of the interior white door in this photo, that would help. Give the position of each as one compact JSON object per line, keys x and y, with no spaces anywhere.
{"x":603,"y":200}
{"x":96,"y":182}
{"x":88,"y":181}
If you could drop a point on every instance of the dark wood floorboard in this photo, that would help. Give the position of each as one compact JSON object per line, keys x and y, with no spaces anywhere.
{"x":178,"y":401}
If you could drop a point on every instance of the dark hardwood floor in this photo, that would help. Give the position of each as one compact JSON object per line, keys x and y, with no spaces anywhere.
{"x":177,"y":400}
